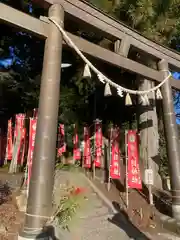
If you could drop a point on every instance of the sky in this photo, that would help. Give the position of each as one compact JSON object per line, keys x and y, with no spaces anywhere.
{"x":176,"y":75}
{"x":6,"y":63}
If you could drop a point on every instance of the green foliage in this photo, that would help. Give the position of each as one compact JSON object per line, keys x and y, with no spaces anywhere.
{"x":69,"y":205}
{"x":163,"y":166}
{"x":158,"y":20}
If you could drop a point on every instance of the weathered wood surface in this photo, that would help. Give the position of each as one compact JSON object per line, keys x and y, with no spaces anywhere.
{"x":23,"y":21}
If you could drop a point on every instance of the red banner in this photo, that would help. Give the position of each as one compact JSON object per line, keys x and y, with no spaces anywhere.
{"x":3,"y":143}
{"x":87,"y":149}
{"x":9,"y":148}
{"x":23,"y":145}
{"x":19,"y":128}
{"x":61,"y":141}
{"x":76,"y":149}
{"x":98,"y":144}
{"x":19,"y":123}
{"x":115,"y":154}
{"x":32,"y":135}
{"x":134,"y":176}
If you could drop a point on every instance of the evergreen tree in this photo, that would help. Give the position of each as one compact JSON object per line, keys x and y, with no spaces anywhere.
{"x":157,"y":20}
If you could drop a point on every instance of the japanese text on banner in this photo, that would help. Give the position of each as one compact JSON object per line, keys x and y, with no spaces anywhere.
{"x":134,"y":177}
{"x":87,"y":150}
{"x":98,"y":144}
{"x":32,"y":136}
{"x":61,"y":141}
{"x":76,"y":149}
{"x":19,"y":129}
{"x":9,"y":141}
{"x":115,"y":154}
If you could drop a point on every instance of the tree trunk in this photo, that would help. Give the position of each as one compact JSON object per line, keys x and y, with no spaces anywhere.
{"x":149,"y":137}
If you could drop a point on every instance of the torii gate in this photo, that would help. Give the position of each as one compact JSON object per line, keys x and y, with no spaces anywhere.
{"x":40,"y":192}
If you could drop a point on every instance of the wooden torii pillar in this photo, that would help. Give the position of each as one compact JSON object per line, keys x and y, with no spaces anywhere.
{"x":171,"y":133}
{"x":41,"y":185}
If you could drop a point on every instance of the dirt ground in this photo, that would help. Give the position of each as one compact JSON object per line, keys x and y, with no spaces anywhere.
{"x":139,"y":212}
{"x":11,"y":218}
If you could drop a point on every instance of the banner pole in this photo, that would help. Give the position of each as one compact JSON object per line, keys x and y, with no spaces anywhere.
{"x":74,"y":143}
{"x":149,"y":167}
{"x":103,"y":176}
{"x":94,"y":152}
{"x":82,"y":146}
{"x":87,"y":162}
{"x":94,"y":167}
{"x":6,"y":156}
{"x":126,"y":156}
{"x":110,"y":156}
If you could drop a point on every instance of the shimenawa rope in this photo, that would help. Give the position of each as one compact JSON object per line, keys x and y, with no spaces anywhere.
{"x":103,"y":77}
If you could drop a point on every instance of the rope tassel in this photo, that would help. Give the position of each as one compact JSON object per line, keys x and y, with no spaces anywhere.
{"x":144,"y":100}
{"x":159,"y":94}
{"x":101,"y":78}
{"x":147,"y":100}
{"x":120,"y":92}
{"x":107,"y":90}
{"x":128,"y":101}
{"x":87,"y":72}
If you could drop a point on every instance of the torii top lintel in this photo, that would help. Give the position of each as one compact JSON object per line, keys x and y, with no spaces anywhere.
{"x":84,"y":12}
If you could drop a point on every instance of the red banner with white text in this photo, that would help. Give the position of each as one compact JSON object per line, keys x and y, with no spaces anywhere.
{"x":23,"y":145}
{"x":87,"y":149}
{"x":9,"y":148}
{"x":134,"y":176}
{"x":19,"y":129}
{"x":32,"y":135}
{"x":61,"y":141}
{"x":76,"y":149}
{"x":115,"y":154}
{"x":98,"y":144}
{"x":19,"y":123}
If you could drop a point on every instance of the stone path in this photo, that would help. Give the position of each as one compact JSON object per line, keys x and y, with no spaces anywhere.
{"x":96,"y":220}
{"x":91,"y":222}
